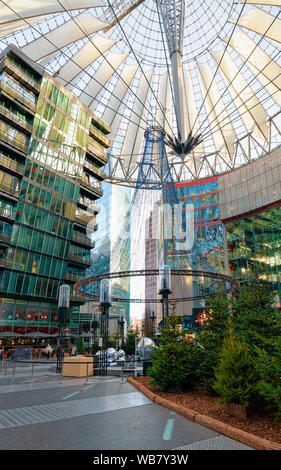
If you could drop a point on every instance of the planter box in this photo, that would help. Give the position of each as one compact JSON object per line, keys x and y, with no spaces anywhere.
{"x":70,"y":369}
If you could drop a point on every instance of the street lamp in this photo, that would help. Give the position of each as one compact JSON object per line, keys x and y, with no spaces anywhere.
{"x":105,"y":302}
{"x":94,"y":326}
{"x":152,"y":318}
{"x":63,"y":314}
{"x":121,"y":321}
{"x":164,"y":285}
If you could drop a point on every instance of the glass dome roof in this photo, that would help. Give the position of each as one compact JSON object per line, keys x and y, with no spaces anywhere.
{"x":114,"y":55}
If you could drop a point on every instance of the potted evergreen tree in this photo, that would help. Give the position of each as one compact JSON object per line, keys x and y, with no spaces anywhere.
{"x":81,"y":349}
{"x":173,"y":363}
{"x":235,"y":377}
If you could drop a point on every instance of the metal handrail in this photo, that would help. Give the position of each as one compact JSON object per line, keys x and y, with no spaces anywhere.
{"x":8,"y":189}
{"x":5,"y":137}
{"x":11,"y":164}
{"x":15,"y":118}
{"x":10,"y":65}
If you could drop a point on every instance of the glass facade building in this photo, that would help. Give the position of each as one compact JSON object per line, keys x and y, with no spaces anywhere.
{"x":52,"y":153}
{"x":113,"y":210}
{"x":200,"y":201}
{"x":254,"y":246}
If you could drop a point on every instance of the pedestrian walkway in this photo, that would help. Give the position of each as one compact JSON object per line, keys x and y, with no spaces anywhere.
{"x":102,"y":414}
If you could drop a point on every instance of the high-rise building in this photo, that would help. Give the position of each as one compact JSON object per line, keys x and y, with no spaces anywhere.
{"x":111,"y":220}
{"x":204,"y":249}
{"x":52,"y":153}
{"x":152,"y":262}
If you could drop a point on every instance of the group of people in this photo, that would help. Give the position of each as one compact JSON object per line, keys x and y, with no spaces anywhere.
{"x":48,"y":351}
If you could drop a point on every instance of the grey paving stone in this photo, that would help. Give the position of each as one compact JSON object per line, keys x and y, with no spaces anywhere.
{"x":54,"y":411}
{"x":216,"y":443}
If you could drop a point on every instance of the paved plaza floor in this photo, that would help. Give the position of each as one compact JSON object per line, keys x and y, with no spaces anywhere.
{"x":51,"y":412}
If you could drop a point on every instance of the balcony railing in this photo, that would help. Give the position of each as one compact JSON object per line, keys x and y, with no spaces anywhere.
{"x":90,"y":205}
{"x":78,"y":298}
{"x":83,"y":219}
{"x":7,"y":213}
{"x":94,"y":169}
{"x":79,"y":259}
{"x":92,"y":186}
{"x":100,"y":136}
{"x":10,"y":164}
{"x":9,"y":189}
{"x":13,"y":141}
{"x":73,"y":277}
{"x":16,"y":93}
{"x":97,"y":151}
{"x":21,"y":75}
{"x":5,"y":237}
{"x":15,"y":119}
{"x":102,"y":124}
{"x":82,"y":240}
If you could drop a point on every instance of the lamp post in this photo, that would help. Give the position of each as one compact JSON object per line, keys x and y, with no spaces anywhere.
{"x":63,"y":314}
{"x":164,"y":288}
{"x":121,"y":321}
{"x":152,"y":318}
{"x":105,"y":302}
{"x":94,"y":326}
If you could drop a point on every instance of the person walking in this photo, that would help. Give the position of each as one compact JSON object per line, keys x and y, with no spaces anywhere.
{"x":48,"y":351}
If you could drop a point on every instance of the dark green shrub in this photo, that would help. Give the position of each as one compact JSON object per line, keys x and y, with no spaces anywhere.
{"x":256,"y":318}
{"x":235,"y":378}
{"x":81,"y":349}
{"x":210,"y":338}
{"x":268,"y":368}
{"x":173,"y":363}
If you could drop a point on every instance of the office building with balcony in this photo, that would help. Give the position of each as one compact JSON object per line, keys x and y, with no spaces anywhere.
{"x":113,"y":205}
{"x":52,"y":154}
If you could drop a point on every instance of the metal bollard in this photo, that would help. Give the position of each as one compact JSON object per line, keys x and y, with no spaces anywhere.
{"x":86,"y":374}
{"x":14,"y":370}
{"x":32,"y":371}
{"x":122,"y":372}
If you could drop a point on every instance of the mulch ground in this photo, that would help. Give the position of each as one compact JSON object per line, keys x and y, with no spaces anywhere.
{"x":260,"y":424}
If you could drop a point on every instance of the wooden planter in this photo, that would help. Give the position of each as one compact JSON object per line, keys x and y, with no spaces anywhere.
{"x":237,"y":410}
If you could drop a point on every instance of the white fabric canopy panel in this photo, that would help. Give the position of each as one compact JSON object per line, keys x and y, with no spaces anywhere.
{"x":113,"y":113}
{"x":107,"y":68}
{"x":14,"y":10}
{"x":88,"y":53}
{"x":267,"y":70}
{"x":262,"y":2}
{"x":84,"y":24}
{"x":136,"y":119}
{"x":252,"y":112}
{"x":261,"y":22}
{"x":223,"y":134}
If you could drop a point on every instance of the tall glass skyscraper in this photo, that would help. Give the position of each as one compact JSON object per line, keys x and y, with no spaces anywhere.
{"x":113,"y":209}
{"x":52,"y":153}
